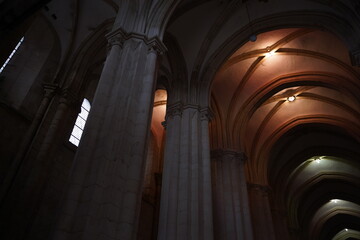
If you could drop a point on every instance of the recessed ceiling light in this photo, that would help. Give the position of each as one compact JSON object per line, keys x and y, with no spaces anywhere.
{"x":291,"y":98}
{"x":269,"y":54}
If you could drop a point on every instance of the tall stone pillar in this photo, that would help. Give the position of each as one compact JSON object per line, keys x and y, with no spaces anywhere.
{"x":231,"y":207}
{"x":186,"y":204}
{"x":23,"y":186}
{"x":261,"y":212}
{"x":105,"y":186}
{"x":49,"y":92}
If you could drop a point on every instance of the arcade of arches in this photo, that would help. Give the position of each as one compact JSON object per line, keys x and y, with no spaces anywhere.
{"x":209,"y":119}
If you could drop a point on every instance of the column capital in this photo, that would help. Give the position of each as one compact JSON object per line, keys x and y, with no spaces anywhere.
{"x":116,"y":37}
{"x":178,"y":108}
{"x":120,"y":36}
{"x":220,"y":154}
{"x":50,"y":89}
{"x":173,"y":110}
{"x":206,"y":114}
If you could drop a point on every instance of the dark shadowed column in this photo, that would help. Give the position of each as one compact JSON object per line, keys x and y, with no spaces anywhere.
{"x":103,"y":197}
{"x":231,"y":207}
{"x":186,"y":204}
{"x":261,"y":212}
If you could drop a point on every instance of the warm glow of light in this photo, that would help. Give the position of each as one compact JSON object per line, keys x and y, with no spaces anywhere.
{"x":269,"y":54}
{"x":334,"y":200}
{"x":159,"y":112}
{"x":346,"y":229}
{"x":291,"y":98}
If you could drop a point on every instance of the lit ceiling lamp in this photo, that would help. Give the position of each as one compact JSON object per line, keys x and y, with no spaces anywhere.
{"x":291,"y":98}
{"x":315,"y":159}
{"x":269,"y":52}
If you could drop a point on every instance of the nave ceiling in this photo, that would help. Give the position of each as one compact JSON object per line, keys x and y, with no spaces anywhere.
{"x":307,"y":150}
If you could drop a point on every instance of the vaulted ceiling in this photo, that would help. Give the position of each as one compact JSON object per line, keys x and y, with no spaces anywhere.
{"x":289,"y":100}
{"x":306,"y":150}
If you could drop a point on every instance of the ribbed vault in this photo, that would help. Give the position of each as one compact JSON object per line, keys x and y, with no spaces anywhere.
{"x":289,"y":101}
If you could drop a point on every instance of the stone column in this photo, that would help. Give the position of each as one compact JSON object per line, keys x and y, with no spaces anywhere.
{"x":49,"y":92}
{"x":104,"y":193}
{"x":26,"y":194}
{"x":186,"y":204}
{"x":261,"y":212}
{"x":231,"y":206}
{"x":67,"y":99}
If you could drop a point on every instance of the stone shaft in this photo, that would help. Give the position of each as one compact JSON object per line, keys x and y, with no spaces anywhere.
{"x":186,"y":204}
{"x":103,"y":197}
{"x":231,"y":207}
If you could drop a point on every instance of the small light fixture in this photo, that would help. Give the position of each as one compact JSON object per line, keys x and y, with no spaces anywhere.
{"x":346,"y":229}
{"x":334,"y":200}
{"x":269,"y":52}
{"x":291,"y":98}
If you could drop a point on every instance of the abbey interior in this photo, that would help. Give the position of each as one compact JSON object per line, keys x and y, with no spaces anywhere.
{"x":180,"y":120}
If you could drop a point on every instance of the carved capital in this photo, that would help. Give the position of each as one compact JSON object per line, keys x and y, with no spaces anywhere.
{"x":206,"y":114}
{"x":50,"y":89}
{"x":191,"y":106}
{"x":116,"y":37}
{"x":178,"y":108}
{"x":120,"y":36}
{"x":174,"y":110}
{"x":156,"y":45}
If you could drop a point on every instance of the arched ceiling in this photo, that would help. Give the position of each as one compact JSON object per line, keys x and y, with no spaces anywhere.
{"x":251,"y":88}
{"x":74,"y":21}
{"x":307,"y":149}
{"x":251,"y":85}
{"x":207,"y":31}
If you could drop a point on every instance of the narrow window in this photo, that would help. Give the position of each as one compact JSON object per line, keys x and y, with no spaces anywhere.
{"x":80,"y":123}
{"x":12,"y":54}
